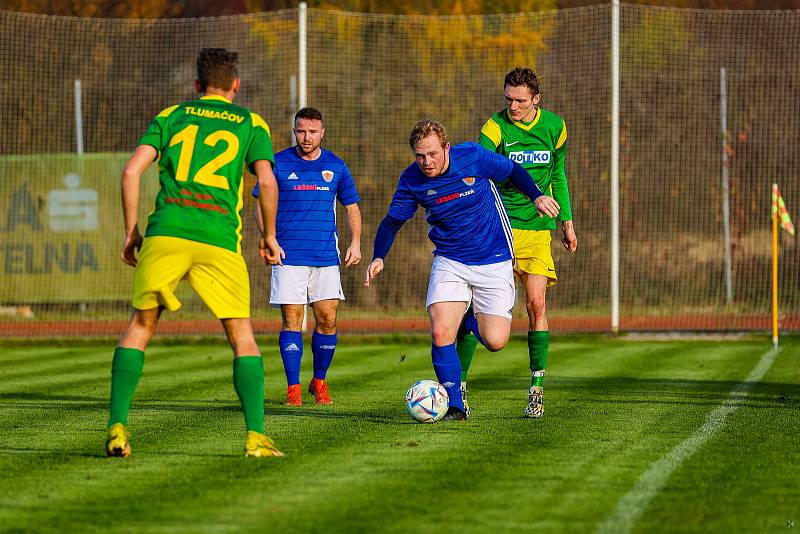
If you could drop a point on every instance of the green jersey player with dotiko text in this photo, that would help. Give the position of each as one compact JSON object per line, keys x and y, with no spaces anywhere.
{"x":536,"y":139}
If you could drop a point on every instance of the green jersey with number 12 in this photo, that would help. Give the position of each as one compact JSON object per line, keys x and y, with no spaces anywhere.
{"x":539,"y":147}
{"x":203,"y":146}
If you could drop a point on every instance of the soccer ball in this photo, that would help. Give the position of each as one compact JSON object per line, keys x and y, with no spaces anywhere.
{"x":427,"y":401}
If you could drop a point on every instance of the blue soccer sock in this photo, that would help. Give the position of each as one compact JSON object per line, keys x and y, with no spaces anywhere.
{"x":471,"y":323}
{"x":322,"y":346}
{"x":291,"y":345}
{"x":448,"y":372}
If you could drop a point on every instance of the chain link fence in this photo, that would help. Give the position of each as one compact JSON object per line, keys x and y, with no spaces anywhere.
{"x":373,"y":77}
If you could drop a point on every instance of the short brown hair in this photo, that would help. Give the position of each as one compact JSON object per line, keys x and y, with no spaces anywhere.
{"x":423,"y":129}
{"x":217,"y":67}
{"x":523,"y":76}
{"x":309,"y":113}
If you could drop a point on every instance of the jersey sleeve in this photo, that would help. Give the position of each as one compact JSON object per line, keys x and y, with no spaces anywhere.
{"x":491,"y":136}
{"x":155,"y":131}
{"x":347,"y":192}
{"x":403,"y":205}
{"x":559,"y":176}
{"x":261,"y":144}
{"x":495,"y":166}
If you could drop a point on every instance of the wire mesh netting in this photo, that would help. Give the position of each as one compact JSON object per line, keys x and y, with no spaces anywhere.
{"x":373,"y":77}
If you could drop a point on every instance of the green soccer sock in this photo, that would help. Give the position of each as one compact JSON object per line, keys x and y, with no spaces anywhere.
{"x":248,"y":381}
{"x":465,"y":347}
{"x":538,"y":343}
{"x":126,"y":368}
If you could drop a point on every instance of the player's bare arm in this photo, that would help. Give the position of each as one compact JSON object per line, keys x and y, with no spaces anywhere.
{"x":373,"y":270}
{"x":131,"y":179}
{"x":268,"y":247}
{"x":569,"y":240}
{"x":353,"y":254}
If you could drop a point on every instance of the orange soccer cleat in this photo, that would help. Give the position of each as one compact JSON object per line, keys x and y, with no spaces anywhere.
{"x":294,"y":395}
{"x":319,"y":388}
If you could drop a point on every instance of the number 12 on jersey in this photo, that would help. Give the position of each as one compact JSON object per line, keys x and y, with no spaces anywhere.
{"x":205,"y":175}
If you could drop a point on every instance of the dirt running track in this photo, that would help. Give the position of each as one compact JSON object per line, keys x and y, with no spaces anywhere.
{"x":686,"y":323}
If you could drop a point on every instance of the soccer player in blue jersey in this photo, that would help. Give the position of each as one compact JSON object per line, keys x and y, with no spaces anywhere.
{"x":310,"y":181}
{"x":473,"y":243}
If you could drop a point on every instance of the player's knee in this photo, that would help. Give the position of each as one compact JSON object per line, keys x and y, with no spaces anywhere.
{"x":326,"y":324}
{"x":442,"y":336}
{"x":245,"y":347}
{"x":495,"y":342}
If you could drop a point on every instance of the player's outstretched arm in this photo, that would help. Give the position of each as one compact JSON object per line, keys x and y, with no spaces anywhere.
{"x":268,"y":247}
{"x":131,"y":180}
{"x":353,"y":254}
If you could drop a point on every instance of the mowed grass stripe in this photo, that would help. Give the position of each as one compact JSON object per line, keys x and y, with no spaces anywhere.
{"x":362,"y":464}
{"x":596,"y":428}
{"x":751,"y":465}
{"x":630,"y":507}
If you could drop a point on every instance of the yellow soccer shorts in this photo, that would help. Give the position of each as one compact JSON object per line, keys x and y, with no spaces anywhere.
{"x":219,"y":276}
{"x":532,"y":254}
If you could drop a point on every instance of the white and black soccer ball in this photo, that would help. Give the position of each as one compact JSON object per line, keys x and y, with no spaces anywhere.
{"x":427,"y":401}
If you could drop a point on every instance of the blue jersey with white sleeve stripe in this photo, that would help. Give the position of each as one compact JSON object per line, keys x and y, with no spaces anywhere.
{"x":307,"y":195}
{"x":466,"y":218}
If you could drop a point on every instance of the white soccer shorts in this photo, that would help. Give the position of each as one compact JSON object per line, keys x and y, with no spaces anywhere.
{"x":297,"y":284}
{"x":489,"y":287}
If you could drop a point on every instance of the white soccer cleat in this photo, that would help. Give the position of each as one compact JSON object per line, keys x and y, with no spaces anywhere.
{"x":535,"y":407}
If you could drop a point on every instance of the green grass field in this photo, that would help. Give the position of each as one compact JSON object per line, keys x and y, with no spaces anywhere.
{"x":638,"y":435}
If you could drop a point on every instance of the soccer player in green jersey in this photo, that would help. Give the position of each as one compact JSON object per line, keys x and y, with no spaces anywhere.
{"x":536,"y":139}
{"x":194,"y":232}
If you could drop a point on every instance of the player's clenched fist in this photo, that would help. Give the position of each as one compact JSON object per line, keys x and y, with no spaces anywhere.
{"x":375,"y":267}
{"x":547,"y":205}
{"x":270,"y":251}
{"x":132,"y":243}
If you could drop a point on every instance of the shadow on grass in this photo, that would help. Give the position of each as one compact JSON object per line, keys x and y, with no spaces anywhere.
{"x":619,"y":389}
{"x":625,"y":389}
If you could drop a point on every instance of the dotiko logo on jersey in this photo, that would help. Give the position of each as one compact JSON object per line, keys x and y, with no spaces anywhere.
{"x":530,"y":156}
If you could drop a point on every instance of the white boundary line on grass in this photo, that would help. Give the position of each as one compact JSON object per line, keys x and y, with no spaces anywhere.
{"x":631,"y":505}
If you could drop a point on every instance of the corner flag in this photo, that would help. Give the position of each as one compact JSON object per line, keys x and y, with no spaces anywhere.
{"x":778,"y":212}
{"x":779,"y":208}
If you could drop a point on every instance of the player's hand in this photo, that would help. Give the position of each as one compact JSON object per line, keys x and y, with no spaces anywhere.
{"x":375,"y":267}
{"x":570,"y":241}
{"x":547,"y":205}
{"x":270,"y":251}
{"x":353,"y":254}
{"x":131,"y":245}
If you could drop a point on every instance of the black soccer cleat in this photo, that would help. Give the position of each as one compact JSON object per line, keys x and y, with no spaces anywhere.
{"x":454,"y":414}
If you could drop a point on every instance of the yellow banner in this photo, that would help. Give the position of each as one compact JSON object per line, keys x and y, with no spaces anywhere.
{"x":61,"y":228}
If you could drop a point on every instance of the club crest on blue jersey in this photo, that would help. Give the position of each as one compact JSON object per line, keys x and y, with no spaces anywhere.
{"x":327,"y":175}
{"x":541,"y":157}
{"x":469,"y":180}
